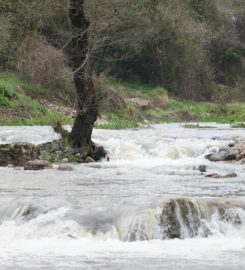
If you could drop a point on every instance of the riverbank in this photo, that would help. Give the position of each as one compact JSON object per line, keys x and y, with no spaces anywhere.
{"x":123,"y":105}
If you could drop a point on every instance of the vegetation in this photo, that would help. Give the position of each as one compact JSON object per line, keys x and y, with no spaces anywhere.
{"x":187,"y":58}
{"x":23,"y":106}
{"x":20,"y":103}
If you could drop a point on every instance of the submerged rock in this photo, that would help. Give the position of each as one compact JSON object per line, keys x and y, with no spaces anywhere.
{"x":202,"y":168}
{"x":37,"y":165}
{"x":18,"y":154}
{"x":65,"y":167}
{"x":177,"y":215}
{"x":215,"y":175}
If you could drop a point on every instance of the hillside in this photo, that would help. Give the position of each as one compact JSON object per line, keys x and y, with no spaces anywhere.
{"x":185,"y":59}
{"x":123,"y":105}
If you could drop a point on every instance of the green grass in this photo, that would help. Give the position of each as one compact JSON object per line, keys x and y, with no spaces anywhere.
{"x":176,"y":110}
{"x":15,"y":84}
{"x":45,"y":120}
{"x":21,"y":98}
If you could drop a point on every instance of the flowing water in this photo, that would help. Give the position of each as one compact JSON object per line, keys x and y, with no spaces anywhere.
{"x":148,"y":208}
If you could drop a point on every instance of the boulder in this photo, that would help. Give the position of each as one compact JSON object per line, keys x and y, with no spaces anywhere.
{"x":57,"y":151}
{"x":18,"y":154}
{"x":37,"y":165}
{"x":224,"y":154}
{"x":65,"y":167}
{"x":143,"y":104}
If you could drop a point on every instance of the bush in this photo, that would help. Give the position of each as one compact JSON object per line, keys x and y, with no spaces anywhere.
{"x":41,"y":63}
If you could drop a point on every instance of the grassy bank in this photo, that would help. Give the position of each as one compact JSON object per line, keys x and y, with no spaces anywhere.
{"x":21,"y":103}
{"x":163,"y":108}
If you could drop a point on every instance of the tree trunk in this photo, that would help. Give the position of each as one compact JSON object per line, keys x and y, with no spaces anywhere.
{"x":87,"y":113}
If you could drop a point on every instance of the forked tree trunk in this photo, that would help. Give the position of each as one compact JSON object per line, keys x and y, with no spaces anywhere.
{"x":87,"y":113}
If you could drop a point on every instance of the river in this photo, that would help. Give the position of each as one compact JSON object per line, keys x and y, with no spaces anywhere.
{"x":148,"y":208}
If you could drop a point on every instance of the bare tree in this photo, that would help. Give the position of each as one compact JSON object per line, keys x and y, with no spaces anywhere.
{"x":87,"y":113}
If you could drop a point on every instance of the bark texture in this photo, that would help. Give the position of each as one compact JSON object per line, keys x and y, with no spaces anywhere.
{"x":80,"y":136}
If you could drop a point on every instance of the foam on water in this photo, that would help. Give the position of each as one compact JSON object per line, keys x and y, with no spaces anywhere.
{"x":106,"y":215}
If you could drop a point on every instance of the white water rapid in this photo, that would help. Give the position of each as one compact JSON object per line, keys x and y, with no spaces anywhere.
{"x":148,"y":208}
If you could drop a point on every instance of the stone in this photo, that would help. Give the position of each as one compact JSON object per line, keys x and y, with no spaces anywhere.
{"x":217,"y":176}
{"x":172,"y":224}
{"x":231,"y":144}
{"x":89,"y":160}
{"x":65,"y":167}
{"x":143,"y":104}
{"x":18,"y":154}
{"x":224,"y":154}
{"x":231,"y":175}
{"x":56,"y":151}
{"x":97,"y":152}
{"x":202,"y":168}
{"x":37,"y":165}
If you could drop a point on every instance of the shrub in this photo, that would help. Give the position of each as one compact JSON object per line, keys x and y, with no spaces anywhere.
{"x":41,"y":63}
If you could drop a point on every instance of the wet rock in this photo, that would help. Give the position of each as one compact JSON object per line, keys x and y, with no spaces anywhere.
{"x":178,"y":213}
{"x":224,"y":154}
{"x":89,"y":160}
{"x":18,"y":154}
{"x":65,"y":167}
{"x":37,"y":165}
{"x":202,"y":168}
{"x":229,"y":216}
{"x":58,"y":151}
{"x":97,"y":152}
{"x":231,"y":144}
{"x":217,"y":176}
{"x":143,"y":104}
{"x":231,"y":175}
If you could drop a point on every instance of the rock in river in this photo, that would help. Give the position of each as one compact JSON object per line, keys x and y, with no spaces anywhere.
{"x":18,"y":154}
{"x":224,"y":154}
{"x":216,"y":175}
{"x":65,"y":167}
{"x":37,"y":165}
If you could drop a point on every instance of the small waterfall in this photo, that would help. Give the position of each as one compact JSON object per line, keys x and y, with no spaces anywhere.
{"x":175,"y":218}
{"x":180,"y":218}
{"x":186,"y":218}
